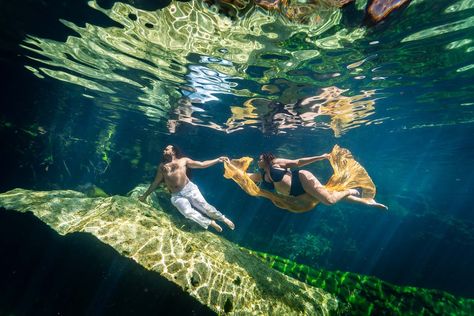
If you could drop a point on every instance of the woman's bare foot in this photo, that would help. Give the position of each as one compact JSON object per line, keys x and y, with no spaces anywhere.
{"x":378,"y":205}
{"x":229,"y":223}
{"x":216,"y":226}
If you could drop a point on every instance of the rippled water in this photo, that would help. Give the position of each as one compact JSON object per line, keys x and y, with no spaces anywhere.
{"x":115,"y":83}
{"x":172,"y":63}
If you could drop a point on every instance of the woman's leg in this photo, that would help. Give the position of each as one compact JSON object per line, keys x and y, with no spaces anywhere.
{"x":313,"y":187}
{"x":369,"y":202}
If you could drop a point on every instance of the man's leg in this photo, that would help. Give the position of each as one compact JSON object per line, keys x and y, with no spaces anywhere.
{"x":200,"y":203}
{"x":185,"y":208}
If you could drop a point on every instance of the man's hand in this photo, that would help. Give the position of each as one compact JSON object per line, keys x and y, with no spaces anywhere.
{"x":224,"y":159}
{"x":326,"y":156}
{"x":142,"y":198}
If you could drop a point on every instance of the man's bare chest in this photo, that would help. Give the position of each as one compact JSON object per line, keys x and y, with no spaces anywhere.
{"x":172,"y":169}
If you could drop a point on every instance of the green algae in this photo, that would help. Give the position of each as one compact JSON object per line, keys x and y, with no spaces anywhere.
{"x":367,"y":295}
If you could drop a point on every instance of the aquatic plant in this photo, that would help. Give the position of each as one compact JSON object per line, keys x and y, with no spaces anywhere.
{"x":367,"y":295}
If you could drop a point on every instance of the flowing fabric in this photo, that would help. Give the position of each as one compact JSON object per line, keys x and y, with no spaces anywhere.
{"x":348,"y":174}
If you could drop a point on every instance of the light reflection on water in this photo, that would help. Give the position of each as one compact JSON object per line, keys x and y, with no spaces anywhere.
{"x":171,"y":62}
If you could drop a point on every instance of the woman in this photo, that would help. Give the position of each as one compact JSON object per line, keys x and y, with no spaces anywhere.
{"x":275,"y":173}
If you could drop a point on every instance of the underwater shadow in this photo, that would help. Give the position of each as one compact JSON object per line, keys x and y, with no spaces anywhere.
{"x":45,"y":273}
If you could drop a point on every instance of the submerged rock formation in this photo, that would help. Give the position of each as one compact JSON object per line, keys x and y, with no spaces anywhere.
{"x":208,"y":267}
{"x":228,"y":279}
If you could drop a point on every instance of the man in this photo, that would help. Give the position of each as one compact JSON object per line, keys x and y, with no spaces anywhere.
{"x":185,"y":195}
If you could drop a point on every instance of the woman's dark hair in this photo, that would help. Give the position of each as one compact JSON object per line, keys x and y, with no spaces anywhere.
{"x":268,"y":157}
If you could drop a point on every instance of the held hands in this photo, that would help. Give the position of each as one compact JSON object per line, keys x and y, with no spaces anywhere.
{"x":224,"y":159}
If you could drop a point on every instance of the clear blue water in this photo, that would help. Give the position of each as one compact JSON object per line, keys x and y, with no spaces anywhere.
{"x":95,"y":98}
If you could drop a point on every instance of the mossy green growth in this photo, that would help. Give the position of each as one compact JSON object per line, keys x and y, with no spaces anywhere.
{"x":366,"y":295}
{"x":5,"y":124}
{"x":104,"y":143}
{"x":95,"y":191}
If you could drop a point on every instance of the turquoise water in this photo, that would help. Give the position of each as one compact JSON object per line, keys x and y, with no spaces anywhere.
{"x":95,"y":91}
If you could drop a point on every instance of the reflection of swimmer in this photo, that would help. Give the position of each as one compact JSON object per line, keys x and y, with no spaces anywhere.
{"x":344,"y":112}
{"x":185,"y":195}
{"x":279,"y":116}
{"x":186,"y":109}
{"x":273,"y":116}
{"x":183,"y":113}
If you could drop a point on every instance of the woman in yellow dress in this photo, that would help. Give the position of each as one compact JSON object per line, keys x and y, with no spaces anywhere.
{"x":299,"y":190}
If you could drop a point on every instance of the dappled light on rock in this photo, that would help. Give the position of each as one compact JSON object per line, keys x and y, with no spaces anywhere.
{"x":208,"y":267}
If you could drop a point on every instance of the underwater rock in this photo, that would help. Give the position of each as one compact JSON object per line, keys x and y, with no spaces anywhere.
{"x":91,"y":190}
{"x":210,"y":268}
{"x":377,"y":10}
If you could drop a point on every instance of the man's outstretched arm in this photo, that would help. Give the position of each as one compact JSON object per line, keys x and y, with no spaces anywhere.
{"x":153,"y":185}
{"x":203,"y":164}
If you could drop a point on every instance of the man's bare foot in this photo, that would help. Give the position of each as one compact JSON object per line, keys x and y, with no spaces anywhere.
{"x":354,"y":192}
{"x":378,"y":205}
{"x":229,"y":223}
{"x":216,"y":226}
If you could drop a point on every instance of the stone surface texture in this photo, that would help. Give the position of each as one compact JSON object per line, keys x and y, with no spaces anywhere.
{"x":207,"y":266}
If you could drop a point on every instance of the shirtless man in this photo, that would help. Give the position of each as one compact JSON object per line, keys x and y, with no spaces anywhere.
{"x":185,"y":195}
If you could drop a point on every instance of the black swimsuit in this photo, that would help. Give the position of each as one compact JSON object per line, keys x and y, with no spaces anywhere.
{"x":277,"y":175}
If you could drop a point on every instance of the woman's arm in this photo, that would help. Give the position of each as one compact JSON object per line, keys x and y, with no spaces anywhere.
{"x":255,"y":177}
{"x":294,"y":163}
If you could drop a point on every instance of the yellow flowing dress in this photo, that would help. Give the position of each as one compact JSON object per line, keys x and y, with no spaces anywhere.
{"x":348,"y":174}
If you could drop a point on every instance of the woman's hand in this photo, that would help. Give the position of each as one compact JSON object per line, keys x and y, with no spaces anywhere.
{"x":224,"y":159}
